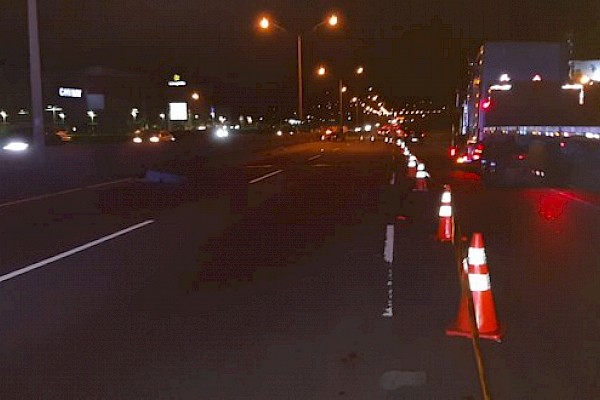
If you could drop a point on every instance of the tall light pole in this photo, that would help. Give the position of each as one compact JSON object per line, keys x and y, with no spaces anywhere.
{"x":265,"y":24}
{"x":341,"y":90}
{"x":35,"y":75}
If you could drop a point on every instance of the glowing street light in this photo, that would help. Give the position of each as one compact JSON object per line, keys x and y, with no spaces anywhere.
{"x":195,"y":96}
{"x":134,"y":113}
{"x":333,"y":20}
{"x":3,"y":114}
{"x":360,"y":70}
{"x":265,"y":23}
{"x":321,"y":71}
{"x":62,"y":117}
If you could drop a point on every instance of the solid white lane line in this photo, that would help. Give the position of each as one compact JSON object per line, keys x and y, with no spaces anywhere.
{"x":99,"y":185}
{"x":62,"y":192}
{"x":73,"y":251}
{"x":270,"y":174}
{"x":571,"y":197}
{"x":259,"y":166}
{"x":314,"y":157}
{"x":388,"y":256}
{"x":40,"y":197}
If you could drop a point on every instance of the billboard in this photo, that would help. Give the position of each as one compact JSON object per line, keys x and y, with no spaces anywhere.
{"x":178,"y":111}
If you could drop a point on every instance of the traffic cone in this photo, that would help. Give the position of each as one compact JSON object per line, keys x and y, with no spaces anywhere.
{"x":446,"y":225}
{"x":421,"y":175}
{"x":412,"y":167}
{"x":483,"y":300}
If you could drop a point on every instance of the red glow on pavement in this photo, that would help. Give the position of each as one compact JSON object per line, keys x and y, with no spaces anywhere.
{"x":552,"y":206}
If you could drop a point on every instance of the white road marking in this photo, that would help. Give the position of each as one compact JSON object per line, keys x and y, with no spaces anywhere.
{"x":73,"y":251}
{"x":388,"y":256}
{"x":62,"y":192}
{"x":98,"y":185}
{"x":314,"y":157}
{"x":40,"y":197}
{"x":393,"y":179}
{"x":336,"y":149}
{"x":259,"y":166}
{"x":322,"y":165}
{"x":571,"y":197}
{"x":270,"y":174}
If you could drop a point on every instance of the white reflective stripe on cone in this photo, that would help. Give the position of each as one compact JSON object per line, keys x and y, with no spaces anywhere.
{"x":476,"y":256}
{"x":445,"y":211}
{"x":479,"y":282}
{"x":446,"y":197}
{"x":421,"y":174}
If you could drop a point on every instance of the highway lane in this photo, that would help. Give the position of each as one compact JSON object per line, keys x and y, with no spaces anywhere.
{"x":278,"y":288}
{"x":283,"y":295}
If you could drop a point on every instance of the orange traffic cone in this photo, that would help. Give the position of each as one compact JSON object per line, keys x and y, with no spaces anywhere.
{"x":446,"y":225}
{"x":412,"y":168}
{"x":483,"y":299}
{"x":421,"y":175}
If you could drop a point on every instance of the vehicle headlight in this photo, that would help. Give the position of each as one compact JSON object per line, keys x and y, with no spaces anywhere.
{"x":16,"y":146}
{"x":279,"y":133}
{"x":137,"y":139}
{"x":154,"y":139}
{"x":222,"y":133}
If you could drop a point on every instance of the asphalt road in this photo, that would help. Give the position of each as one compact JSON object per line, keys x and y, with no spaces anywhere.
{"x":264,"y":277}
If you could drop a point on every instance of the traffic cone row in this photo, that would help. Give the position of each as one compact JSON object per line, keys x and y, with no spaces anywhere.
{"x":478,"y":278}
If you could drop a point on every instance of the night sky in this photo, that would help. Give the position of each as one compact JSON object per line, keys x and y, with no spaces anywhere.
{"x":409,"y":48}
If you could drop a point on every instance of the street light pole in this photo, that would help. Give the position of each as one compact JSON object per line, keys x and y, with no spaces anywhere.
{"x":341,"y":90}
{"x":300,"y":84}
{"x":35,"y":75}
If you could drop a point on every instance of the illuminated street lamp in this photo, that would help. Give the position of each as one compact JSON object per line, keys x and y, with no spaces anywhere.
{"x":341,"y":90}
{"x":134,"y":113}
{"x":53,"y":109}
{"x":62,"y":117}
{"x":195,"y":96}
{"x":92,"y":115}
{"x":265,"y":23}
{"x":3,"y":114}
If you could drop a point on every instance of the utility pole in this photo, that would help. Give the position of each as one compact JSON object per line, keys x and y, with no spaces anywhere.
{"x":35,"y":76}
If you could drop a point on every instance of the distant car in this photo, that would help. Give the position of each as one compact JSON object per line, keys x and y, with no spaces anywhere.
{"x":330,"y":133}
{"x":285,"y":129}
{"x":414,"y":135}
{"x":152,"y":136}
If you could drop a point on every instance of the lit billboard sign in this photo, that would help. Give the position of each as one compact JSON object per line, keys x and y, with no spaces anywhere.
{"x":177,"y":81}
{"x":178,"y":111}
{"x":70,"y":92}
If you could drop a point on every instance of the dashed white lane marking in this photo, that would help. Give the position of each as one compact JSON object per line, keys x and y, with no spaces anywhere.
{"x":270,"y":174}
{"x":393,"y":179}
{"x":336,"y":149}
{"x":73,"y":251}
{"x":62,"y":192}
{"x":322,"y":165}
{"x":314,"y":157}
{"x":388,"y":256}
{"x":571,"y":197}
{"x":259,"y":166}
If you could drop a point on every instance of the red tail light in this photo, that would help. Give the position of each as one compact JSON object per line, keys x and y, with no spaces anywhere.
{"x":453,"y":151}
{"x":522,"y":156}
